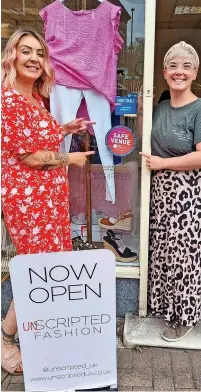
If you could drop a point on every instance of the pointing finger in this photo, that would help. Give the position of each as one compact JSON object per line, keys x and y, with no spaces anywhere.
{"x":87,"y":153}
{"x":145,"y":154}
{"x":80,"y":119}
{"x":89,"y":122}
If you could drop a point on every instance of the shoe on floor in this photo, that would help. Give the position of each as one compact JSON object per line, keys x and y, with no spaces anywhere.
{"x":175,"y":332}
{"x":124,"y":222}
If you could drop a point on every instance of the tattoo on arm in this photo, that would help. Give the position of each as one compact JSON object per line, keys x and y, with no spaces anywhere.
{"x":47,"y":157}
{"x":63,"y":158}
{"x":24,"y":156}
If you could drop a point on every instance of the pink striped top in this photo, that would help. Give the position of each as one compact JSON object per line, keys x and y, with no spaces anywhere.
{"x":84,"y":45}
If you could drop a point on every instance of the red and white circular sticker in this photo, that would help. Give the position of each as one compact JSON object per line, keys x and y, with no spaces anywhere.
{"x":120,"y":140}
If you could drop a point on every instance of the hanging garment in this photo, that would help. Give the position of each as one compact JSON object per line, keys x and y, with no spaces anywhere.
{"x":83,"y":46}
{"x":64,"y":104}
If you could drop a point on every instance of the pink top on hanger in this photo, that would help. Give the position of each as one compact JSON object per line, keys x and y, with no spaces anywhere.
{"x":84,"y":45}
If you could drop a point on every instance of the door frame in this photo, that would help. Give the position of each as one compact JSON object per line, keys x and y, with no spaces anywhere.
{"x":150,"y":19}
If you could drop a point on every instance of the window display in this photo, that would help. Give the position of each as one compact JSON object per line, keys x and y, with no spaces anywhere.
{"x":97,"y":52}
{"x":83,"y":47}
{"x":118,"y":228}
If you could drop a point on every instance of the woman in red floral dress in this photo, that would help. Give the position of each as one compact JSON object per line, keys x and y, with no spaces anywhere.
{"x":35,"y":190}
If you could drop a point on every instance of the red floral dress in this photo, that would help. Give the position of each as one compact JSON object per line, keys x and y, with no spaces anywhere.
{"x":35,"y":203}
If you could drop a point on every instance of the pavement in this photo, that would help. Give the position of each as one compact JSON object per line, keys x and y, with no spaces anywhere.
{"x":144,"y":369}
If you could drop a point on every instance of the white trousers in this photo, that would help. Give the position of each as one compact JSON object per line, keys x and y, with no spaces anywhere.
{"x":64,"y":104}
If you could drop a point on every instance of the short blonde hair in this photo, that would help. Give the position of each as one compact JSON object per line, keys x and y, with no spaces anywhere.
{"x":182,"y":49}
{"x":46,"y":80}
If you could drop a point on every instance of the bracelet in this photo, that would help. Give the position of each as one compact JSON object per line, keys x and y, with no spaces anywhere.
{"x":140,"y":113}
{"x":64,"y":159}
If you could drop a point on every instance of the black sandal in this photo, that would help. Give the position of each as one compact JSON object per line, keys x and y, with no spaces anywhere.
{"x":123,"y":253}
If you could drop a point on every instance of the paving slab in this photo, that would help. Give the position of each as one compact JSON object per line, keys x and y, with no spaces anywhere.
{"x":124,"y":358}
{"x":181,"y":369}
{"x":163,"y":384}
{"x":196,"y":368}
{"x":132,"y":378}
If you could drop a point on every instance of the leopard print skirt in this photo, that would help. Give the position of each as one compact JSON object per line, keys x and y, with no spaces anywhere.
{"x":175,"y":246}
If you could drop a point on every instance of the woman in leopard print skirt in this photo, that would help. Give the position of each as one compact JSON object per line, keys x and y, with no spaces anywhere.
{"x":175,"y":216}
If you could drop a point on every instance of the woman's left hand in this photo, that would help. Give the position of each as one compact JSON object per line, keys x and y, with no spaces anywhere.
{"x":77,"y":126}
{"x":153,"y":162}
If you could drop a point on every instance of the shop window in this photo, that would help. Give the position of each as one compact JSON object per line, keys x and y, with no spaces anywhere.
{"x":115,"y":225}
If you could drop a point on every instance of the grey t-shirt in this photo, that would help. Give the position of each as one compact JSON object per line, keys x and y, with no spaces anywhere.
{"x":176,"y":131}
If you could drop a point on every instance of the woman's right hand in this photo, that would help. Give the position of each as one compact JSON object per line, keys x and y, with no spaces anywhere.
{"x":79,"y":158}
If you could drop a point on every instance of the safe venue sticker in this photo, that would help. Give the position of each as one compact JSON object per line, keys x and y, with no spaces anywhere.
{"x":121,"y":141}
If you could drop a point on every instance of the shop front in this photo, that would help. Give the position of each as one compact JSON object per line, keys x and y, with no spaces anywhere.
{"x":105,"y":197}
{"x":109,"y":199}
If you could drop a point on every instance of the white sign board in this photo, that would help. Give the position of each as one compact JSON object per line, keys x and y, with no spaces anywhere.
{"x":66,"y":315}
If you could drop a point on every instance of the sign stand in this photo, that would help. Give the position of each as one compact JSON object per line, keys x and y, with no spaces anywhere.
{"x":66,"y":316}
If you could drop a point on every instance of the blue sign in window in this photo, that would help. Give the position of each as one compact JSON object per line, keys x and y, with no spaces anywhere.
{"x":126,"y":104}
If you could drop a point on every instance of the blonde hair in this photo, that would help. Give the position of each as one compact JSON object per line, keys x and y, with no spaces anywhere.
{"x":45,"y":81}
{"x":182,"y":49}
